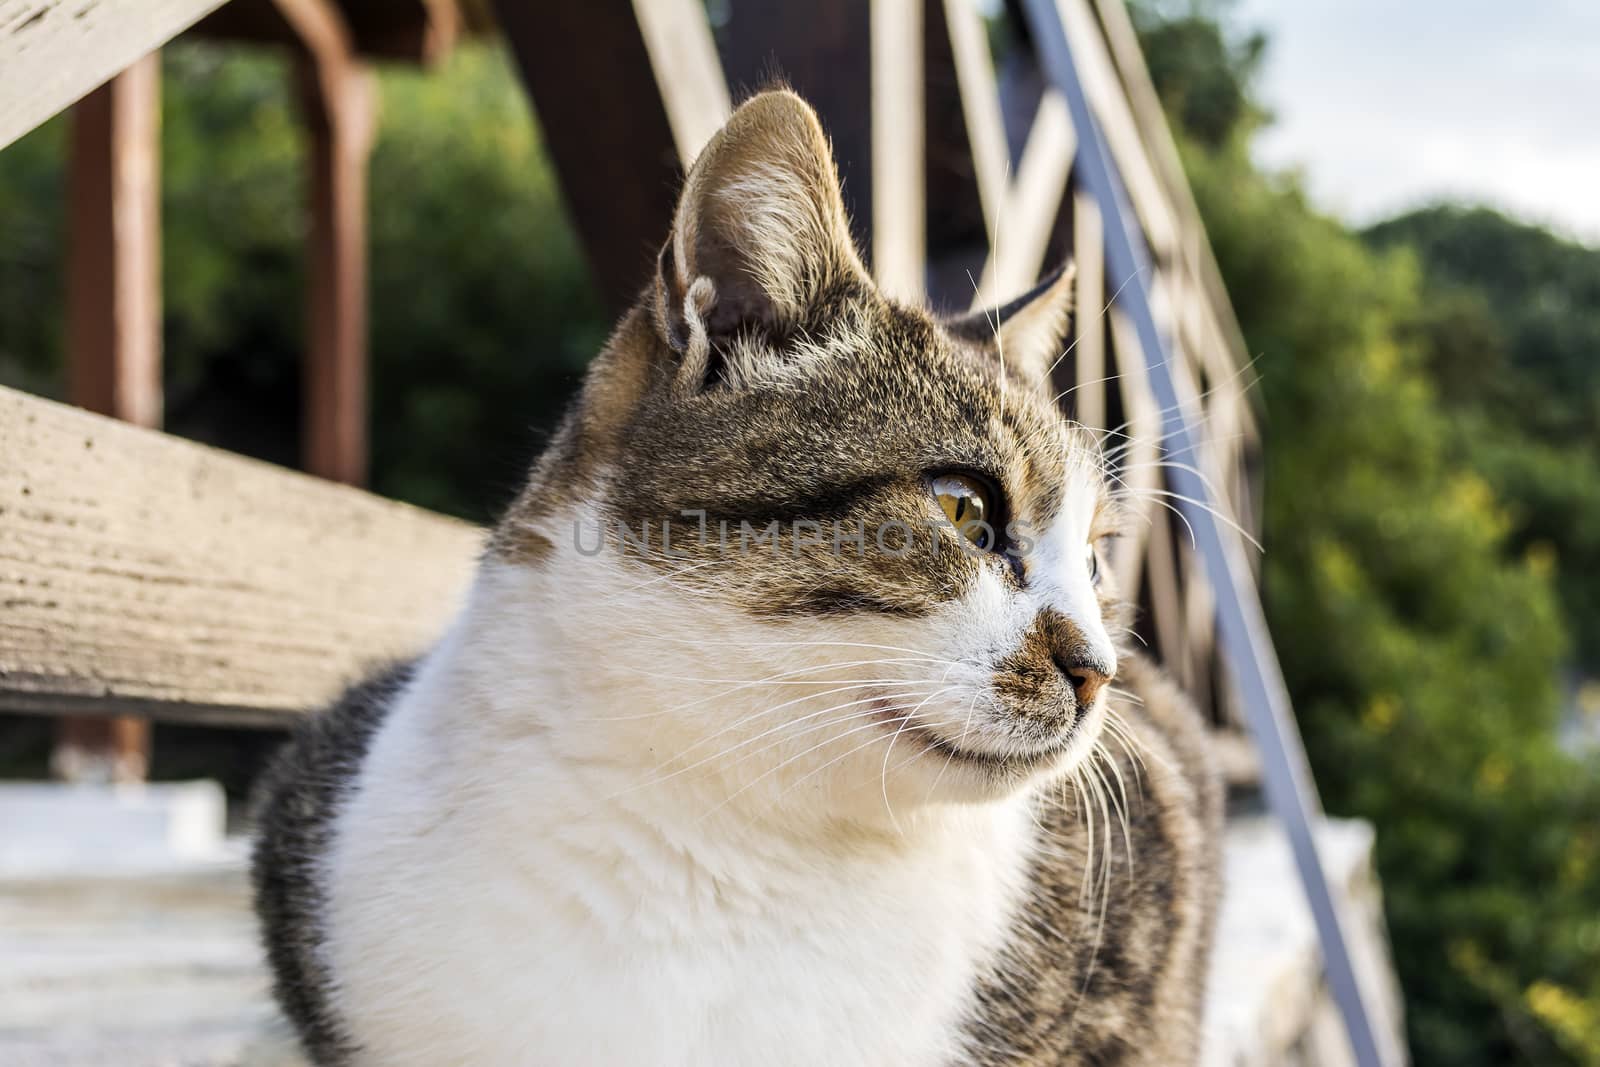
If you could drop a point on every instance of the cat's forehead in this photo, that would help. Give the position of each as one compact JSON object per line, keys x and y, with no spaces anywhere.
{"x":948,"y":391}
{"x":868,"y":389}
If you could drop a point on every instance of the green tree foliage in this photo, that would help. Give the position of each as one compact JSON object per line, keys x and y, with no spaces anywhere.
{"x":1511,"y":323}
{"x":1421,"y":639}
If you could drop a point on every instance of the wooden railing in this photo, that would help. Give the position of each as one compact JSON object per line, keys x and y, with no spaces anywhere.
{"x":52,"y":53}
{"x":144,"y":573}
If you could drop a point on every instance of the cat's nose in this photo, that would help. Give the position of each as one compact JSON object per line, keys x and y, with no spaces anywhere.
{"x":1085,"y":673}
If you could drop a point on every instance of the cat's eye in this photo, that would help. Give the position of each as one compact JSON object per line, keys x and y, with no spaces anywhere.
{"x":969,"y":505}
{"x":1091,"y":560}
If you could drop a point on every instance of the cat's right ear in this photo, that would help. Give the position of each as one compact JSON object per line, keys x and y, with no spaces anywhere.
{"x":759,"y":233}
{"x":1030,"y":335}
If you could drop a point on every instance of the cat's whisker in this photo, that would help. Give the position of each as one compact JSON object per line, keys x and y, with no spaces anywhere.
{"x":1103,"y":313}
{"x":961,"y":743}
{"x":780,"y":678}
{"x":857,"y":683}
{"x":696,"y":642}
{"x":780,"y":728}
{"x":1131,"y":633}
{"x":1059,"y":397}
{"x":1214,"y":512}
{"x":774,"y":770}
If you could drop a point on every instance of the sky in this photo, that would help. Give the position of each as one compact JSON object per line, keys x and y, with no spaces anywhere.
{"x":1388,"y":104}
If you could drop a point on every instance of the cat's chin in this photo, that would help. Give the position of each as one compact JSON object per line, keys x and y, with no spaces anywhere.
{"x":924,"y":765}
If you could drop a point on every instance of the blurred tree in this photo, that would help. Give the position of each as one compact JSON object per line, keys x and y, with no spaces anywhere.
{"x":1419,"y":630}
{"x":1204,"y":73}
{"x":32,"y":245}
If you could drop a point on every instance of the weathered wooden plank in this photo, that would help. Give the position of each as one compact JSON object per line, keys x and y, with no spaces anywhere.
{"x":155,"y":575}
{"x":53,"y":52}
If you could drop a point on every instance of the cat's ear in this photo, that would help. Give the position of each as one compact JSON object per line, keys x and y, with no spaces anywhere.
{"x":1028,"y":335}
{"x":760,"y":230}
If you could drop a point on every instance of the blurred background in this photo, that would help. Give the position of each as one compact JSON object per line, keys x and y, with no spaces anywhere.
{"x":1401,"y":202}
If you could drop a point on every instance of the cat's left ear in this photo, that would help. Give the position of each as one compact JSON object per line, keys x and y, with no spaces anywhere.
{"x":1029,"y":335}
{"x":760,"y":233}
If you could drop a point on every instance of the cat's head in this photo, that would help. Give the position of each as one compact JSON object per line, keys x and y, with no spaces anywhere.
{"x":742,"y":535}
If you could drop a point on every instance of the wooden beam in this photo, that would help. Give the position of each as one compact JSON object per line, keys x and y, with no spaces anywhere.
{"x":114,"y":248}
{"x":1127,"y":58}
{"x":899,"y":165}
{"x":956,"y":219}
{"x":980,"y":104}
{"x":52,"y":52}
{"x":899,"y":183}
{"x":1138,"y":471}
{"x":677,"y":36}
{"x":1089,"y":315}
{"x":417,"y":30}
{"x":1029,"y":208}
{"x":1199,"y":628}
{"x":114,"y":327}
{"x":1165,"y":597}
{"x":147,"y":573}
{"x":1116,"y":123}
{"x":1123,"y":41}
{"x":340,"y":107}
{"x":414,"y":31}
{"x":1170,"y":222}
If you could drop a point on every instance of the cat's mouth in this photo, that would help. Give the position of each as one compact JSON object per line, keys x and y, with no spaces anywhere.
{"x":906,"y":728}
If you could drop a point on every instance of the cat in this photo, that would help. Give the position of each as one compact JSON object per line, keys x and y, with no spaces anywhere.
{"x":784,"y":721}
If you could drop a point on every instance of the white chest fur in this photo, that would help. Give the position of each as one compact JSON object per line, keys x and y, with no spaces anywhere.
{"x":490,"y":904}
